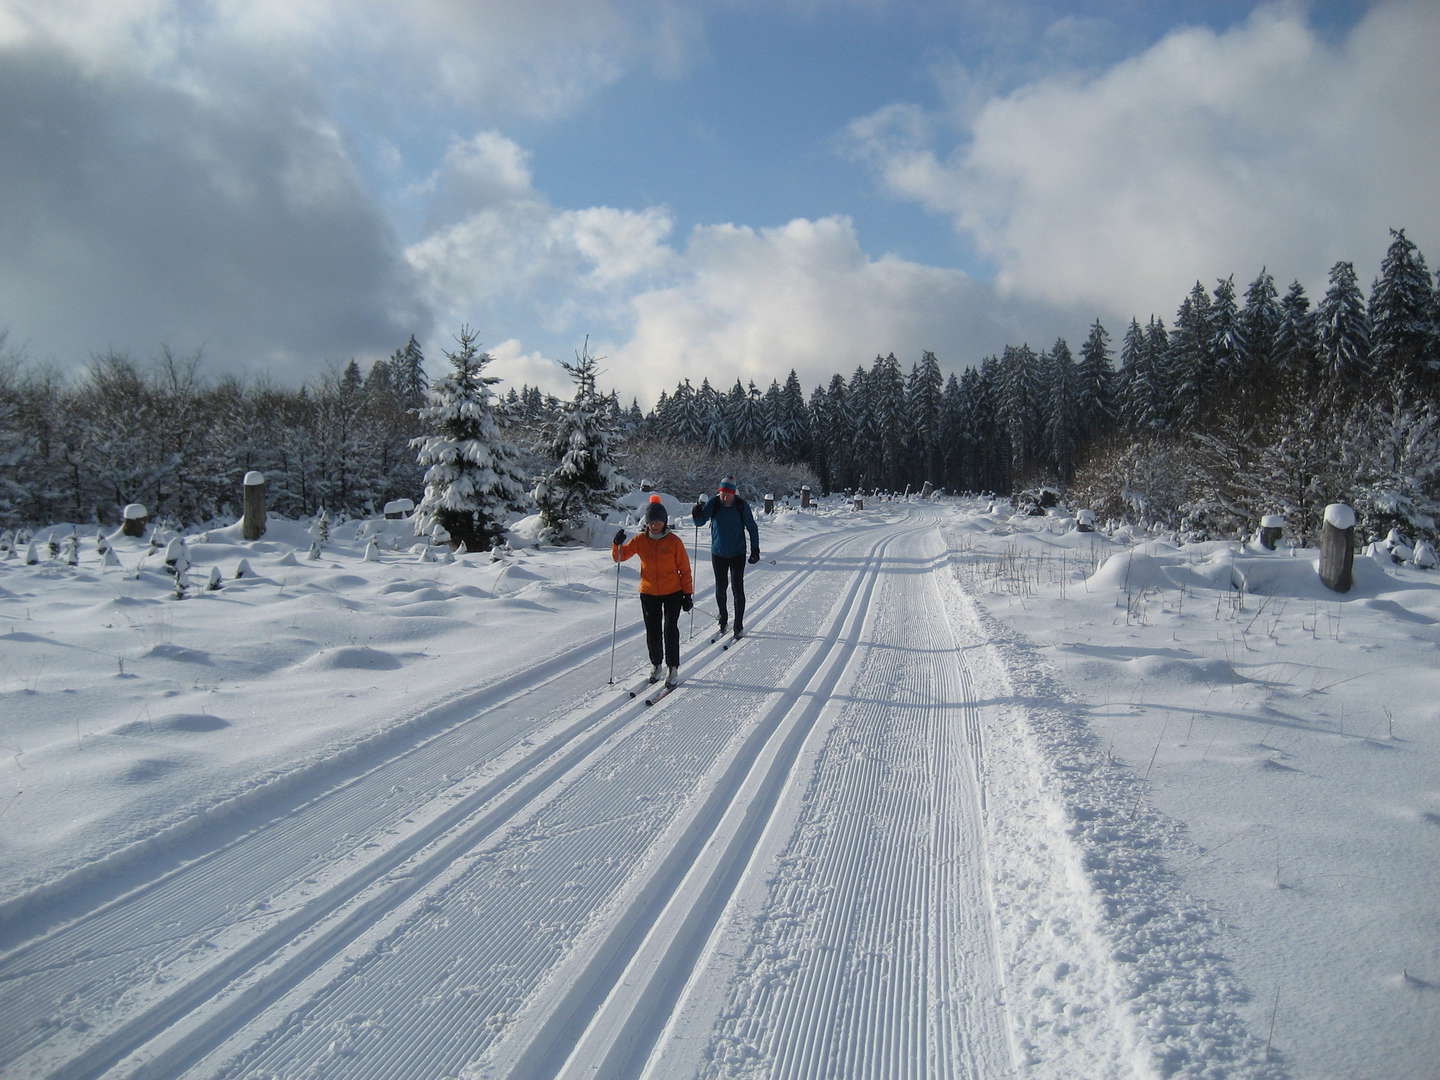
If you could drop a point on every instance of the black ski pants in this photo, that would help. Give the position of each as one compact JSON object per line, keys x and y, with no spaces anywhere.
{"x":662,"y":627}
{"x":733,"y":569}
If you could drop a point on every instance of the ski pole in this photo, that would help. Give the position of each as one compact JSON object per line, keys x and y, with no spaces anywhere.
{"x":616,"y":626}
{"x":694,"y":555}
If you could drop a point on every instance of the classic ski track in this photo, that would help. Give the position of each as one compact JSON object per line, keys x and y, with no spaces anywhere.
{"x":578,"y":905}
{"x":165,"y":922}
{"x":860,"y":944}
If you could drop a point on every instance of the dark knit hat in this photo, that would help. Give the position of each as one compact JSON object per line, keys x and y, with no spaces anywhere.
{"x":656,"y":511}
{"x":727,"y":484}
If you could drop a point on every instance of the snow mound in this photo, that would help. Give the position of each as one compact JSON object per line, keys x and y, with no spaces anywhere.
{"x":353,"y":657}
{"x":185,"y":723}
{"x":176,"y":652}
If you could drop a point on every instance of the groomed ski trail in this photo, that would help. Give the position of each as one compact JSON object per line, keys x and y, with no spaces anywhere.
{"x":172,"y":964}
{"x":793,"y":868}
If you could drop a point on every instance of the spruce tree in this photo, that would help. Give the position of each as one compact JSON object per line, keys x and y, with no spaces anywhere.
{"x":1131,"y":400}
{"x":1343,"y":327}
{"x":1296,"y":349}
{"x":1063,"y":402}
{"x":1225,"y":337}
{"x":923,"y":392}
{"x":472,"y":478}
{"x":1095,"y":384}
{"x":585,"y":479}
{"x":1260,"y":321}
{"x":1401,"y":307}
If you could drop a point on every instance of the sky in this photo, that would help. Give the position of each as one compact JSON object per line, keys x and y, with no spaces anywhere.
{"x":731,"y":188}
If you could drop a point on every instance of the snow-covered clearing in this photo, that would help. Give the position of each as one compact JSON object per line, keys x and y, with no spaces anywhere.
{"x":979,"y":796}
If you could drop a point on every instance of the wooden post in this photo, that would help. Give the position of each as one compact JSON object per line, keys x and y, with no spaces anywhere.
{"x":769,"y":503}
{"x":1337,"y":548}
{"x":1085,"y":521}
{"x":252,"y":525}
{"x":1272,"y":526}
{"x":137,"y":518}
{"x":805,"y":496}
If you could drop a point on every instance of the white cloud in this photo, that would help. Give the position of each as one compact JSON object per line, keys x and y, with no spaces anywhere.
{"x":521,"y":262}
{"x":1205,"y":155}
{"x":754,"y":303}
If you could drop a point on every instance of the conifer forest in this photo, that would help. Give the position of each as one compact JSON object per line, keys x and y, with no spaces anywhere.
{"x":1250,"y":399}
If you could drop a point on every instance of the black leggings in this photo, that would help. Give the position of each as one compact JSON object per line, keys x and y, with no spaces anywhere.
{"x":656,"y":609}
{"x":734,"y":569}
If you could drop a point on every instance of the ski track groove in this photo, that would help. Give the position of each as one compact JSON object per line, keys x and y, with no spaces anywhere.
{"x":625,"y":1040}
{"x":889,"y":926}
{"x":45,"y":970}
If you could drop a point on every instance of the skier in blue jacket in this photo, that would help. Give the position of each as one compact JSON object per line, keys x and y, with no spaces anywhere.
{"x":730,"y":519}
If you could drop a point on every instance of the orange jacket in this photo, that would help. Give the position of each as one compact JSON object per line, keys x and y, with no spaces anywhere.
{"x":664,"y":565}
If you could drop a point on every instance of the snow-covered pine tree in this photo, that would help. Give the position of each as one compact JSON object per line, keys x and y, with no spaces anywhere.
{"x":777,"y":436}
{"x":797,"y":419}
{"x":1401,"y":306}
{"x":1259,"y":321}
{"x":1193,"y":376}
{"x":582,"y":438}
{"x":1095,"y":385}
{"x":407,"y":374}
{"x":1131,"y":404}
{"x":1225,"y":336}
{"x":714,"y":425}
{"x":834,"y":430}
{"x":954,"y":436}
{"x":888,"y":421}
{"x":1343,"y":326}
{"x":924,"y":391}
{"x":471,"y":474}
{"x":1295,"y":347}
{"x":817,"y":410}
{"x":1018,"y":410}
{"x":1162,"y":376}
{"x":1062,"y":401}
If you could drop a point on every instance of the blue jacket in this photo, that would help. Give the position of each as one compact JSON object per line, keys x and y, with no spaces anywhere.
{"x":728,"y":526}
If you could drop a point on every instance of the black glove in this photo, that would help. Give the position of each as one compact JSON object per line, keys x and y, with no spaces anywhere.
{"x":686,"y":601}
{"x":754,"y":556}
{"x":619,"y":537}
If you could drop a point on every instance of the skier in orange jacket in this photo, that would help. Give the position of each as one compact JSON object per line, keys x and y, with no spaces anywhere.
{"x":666,"y":587}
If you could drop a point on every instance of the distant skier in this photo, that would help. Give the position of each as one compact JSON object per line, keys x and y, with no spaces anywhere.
{"x":730,"y":519}
{"x":666,"y":587}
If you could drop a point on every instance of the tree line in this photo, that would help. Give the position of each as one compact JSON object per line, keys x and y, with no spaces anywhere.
{"x":1246,"y":403}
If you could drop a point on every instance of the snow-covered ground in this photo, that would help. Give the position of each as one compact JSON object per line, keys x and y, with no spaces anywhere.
{"x":980,"y":796}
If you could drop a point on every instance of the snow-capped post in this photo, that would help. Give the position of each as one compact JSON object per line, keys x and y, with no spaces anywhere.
{"x":859,"y":503}
{"x":769,"y":503}
{"x":804,"y":496}
{"x":137,"y":519}
{"x":1272,"y":527}
{"x":1337,"y":548}
{"x":252,"y":525}
{"x":1085,"y":521}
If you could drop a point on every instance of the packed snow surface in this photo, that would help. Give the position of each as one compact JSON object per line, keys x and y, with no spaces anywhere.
{"x":978,"y":796}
